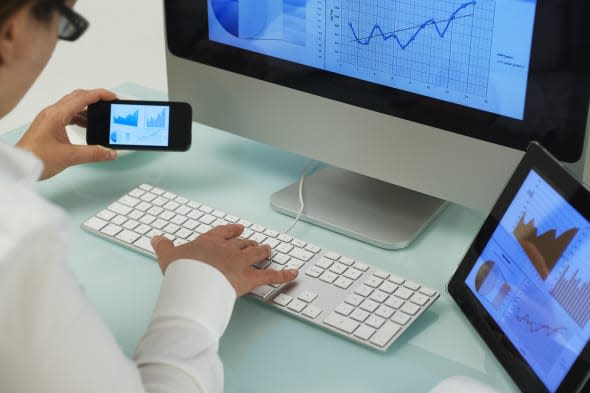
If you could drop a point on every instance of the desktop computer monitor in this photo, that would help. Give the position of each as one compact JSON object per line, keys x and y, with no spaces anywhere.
{"x":411,"y":103}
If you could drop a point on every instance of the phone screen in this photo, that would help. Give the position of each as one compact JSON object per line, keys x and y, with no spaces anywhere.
{"x":140,"y":125}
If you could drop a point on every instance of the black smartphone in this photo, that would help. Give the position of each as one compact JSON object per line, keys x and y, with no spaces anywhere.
{"x":140,"y":125}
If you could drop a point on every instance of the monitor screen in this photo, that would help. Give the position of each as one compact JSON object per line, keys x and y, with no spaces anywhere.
{"x":462,"y":52}
{"x":503,"y":71}
{"x":139,"y":125}
{"x":534,"y":280}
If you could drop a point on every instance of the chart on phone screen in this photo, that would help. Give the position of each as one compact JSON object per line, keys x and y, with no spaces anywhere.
{"x":139,"y":125}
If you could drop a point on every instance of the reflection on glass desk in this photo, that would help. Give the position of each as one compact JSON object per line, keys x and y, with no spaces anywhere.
{"x":264,"y":349}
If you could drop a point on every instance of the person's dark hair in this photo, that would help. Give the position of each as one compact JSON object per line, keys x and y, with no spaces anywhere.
{"x":41,"y":9}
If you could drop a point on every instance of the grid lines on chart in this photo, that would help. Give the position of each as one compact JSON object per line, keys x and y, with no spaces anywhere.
{"x":444,"y":43}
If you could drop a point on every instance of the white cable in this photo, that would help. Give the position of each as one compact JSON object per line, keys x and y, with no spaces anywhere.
{"x":301,"y":203}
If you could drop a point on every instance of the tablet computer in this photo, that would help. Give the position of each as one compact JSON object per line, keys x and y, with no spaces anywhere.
{"x":524,"y":283}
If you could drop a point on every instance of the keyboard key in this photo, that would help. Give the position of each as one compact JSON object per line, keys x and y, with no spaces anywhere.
{"x":95,"y":223}
{"x":298,"y":243}
{"x":135,"y":215}
{"x":312,"y":248}
{"x":166,"y":215}
{"x":400,"y":317}
{"x":344,"y":309}
{"x":106,"y":214}
{"x":169,"y":195}
{"x":332,"y":256}
{"x":142,"y":229}
{"x":381,"y":274}
{"x":282,"y":299}
{"x":328,"y":277}
{"x":148,"y":197}
{"x":353,"y":274}
{"x":155,"y":210}
{"x":354,"y":299}
{"x":384,"y":312}
{"x":363,"y":290}
{"x":403,"y":293}
{"x":130,"y":224}
{"x":378,"y":296}
{"x":119,"y":208}
{"x":364,"y":332}
{"x":338,"y":268}
{"x":375,"y":321}
{"x":324,"y":263}
{"x":271,"y":233}
{"x":301,"y":254}
{"x":262,"y":291}
{"x":147,"y":219}
{"x":280,"y":258}
{"x":373,"y":282}
{"x":369,"y":305}
{"x":348,"y":261}
{"x":285,"y":238}
{"x":111,"y":230}
{"x":179,"y":220}
{"x":359,"y":315}
{"x":284,"y":248}
{"x":388,"y":287}
{"x":396,"y":280}
{"x":119,"y":220}
{"x":143,"y":206}
{"x":314,"y":271}
{"x":297,"y":305}
{"x":218,"y":213}
{"x":360,"y":266}
{"x":394,"y":302}
{"x":129,"y":201}
{"x":412,"y":285}
{"x":181,"y":200}
{"x":311,"y":312}
{"x":307,"y":296}
{"x":343,"y":282}
{"x":419,"y":299}
{"x":385,"y":334}
{"x":145,"y":244}
{"x":341,"y":323}
{"x":294,"y":263}
{"x":127,"y":236}
{"x":257,"y":228}
{"x":410,"y":308}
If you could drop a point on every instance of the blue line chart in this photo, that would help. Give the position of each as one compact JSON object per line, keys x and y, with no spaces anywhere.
{"x":378,"y":31}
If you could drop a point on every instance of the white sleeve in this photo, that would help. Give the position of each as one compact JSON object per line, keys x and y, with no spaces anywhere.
{"x":54,"y":341}
{"x":179,"y":350}
{"x":51,"y":338}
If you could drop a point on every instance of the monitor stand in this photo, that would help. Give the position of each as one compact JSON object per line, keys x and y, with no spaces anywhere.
{"x":363,"y":208}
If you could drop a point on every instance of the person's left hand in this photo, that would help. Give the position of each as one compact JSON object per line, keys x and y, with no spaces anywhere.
{"x":48,"y":140}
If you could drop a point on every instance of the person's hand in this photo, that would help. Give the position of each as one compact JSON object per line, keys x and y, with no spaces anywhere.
{"x":48,"y":140}
{"x":233,"y":257}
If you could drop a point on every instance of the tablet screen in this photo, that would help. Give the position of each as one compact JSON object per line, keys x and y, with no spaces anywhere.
{"x":533,"y":278}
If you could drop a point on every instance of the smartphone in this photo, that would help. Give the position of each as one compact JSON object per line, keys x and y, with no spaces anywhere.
{"x":140,"y":125}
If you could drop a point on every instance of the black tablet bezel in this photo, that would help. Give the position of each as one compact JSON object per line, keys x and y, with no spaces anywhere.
{"x":578,"y":196}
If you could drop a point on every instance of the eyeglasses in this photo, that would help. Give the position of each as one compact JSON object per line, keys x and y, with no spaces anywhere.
{"x":72,"y":25}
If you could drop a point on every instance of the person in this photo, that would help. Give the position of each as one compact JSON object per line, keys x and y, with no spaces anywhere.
{"x":52,"y":340}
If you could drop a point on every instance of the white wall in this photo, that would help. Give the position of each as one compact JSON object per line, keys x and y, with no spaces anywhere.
{"x":125,"y":43}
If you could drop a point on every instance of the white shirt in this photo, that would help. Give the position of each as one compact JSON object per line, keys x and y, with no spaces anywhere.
{"x":51,"y":338}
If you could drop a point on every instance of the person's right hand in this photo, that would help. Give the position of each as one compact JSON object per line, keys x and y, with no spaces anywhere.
{"x":224,"y":250}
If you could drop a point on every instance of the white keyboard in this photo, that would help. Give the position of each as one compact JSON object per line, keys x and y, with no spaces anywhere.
{"x":364,"y":304}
